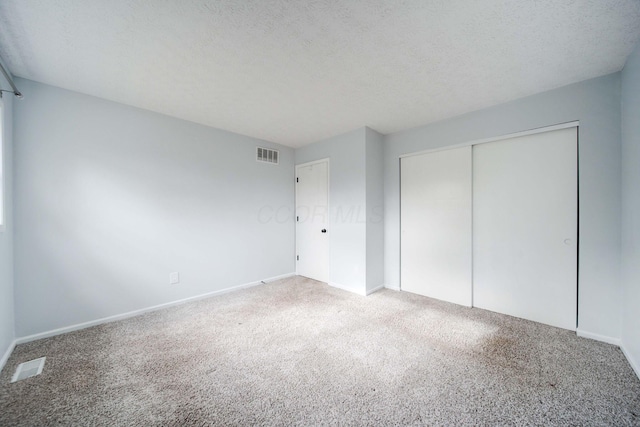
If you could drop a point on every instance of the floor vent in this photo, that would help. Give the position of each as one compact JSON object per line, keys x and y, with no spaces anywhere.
{"x":28,"y":369}
{"x":267,"y":155}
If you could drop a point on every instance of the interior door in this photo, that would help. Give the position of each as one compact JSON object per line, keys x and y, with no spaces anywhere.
{"x":312,"y":220}
{"x":525,"y":227}
{"x":436,"y":223}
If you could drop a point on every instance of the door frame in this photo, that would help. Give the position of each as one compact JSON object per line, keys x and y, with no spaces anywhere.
{"x":329,"y":224}
{"x":543,"y":129}
{"x":573,"y":124}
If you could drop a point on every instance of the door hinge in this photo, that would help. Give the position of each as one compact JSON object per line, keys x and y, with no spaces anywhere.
{"x":297,"y":257}
{"x":297,"y":218}
{"x":297,"y":179}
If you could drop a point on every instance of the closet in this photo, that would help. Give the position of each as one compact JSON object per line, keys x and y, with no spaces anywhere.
{"x":495,"y":225}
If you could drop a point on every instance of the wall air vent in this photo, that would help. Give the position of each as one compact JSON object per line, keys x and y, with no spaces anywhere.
{"x":28,"y":369}
{"x":267,"y":155}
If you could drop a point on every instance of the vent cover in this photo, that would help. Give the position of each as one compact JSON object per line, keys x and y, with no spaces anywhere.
{"x":28,"y":369}
{"x":267,"y":155}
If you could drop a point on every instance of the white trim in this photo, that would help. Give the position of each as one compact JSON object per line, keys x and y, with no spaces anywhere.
{"x":598,"y":337}
{"x":314,"y":162}
{"x":376,"y":289}
{"x":348,"y":288}
{"x":393,"y":288}
{"x":631,"y":360}
{"x":269,"y":280}
{"x":134,"y":313}
{"x":329,"y":225}
{"x":7,"y":354}
{"x":497,"y":138}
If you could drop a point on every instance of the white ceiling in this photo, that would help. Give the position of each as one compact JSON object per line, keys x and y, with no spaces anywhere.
{"x":295,"y":72}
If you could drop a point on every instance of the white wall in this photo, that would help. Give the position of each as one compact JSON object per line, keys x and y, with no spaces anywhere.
{"x":110,"y":199}
{"x":6,"y":236}
{"x":347,"y":204}
{"x":375,"y":208}
{"x":596,"y":104}
{"x":356,"y":199}
{"x":631,"y":208}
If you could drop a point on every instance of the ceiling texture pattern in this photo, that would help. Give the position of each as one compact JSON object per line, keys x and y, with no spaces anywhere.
{"x":295,"y":72}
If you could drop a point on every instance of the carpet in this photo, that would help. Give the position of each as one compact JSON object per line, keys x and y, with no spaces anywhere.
{"x":298,"y":352}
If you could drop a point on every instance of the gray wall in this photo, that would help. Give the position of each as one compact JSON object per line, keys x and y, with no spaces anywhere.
{"x":347,"y":204}
{"x":596,"y":103}
{"x":110,"y":199}
{"x":375,"y":208}
{"x":6,"y":237}
{"x":631,"y":208}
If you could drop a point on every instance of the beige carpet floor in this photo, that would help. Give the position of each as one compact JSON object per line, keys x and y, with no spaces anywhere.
{"x":297,"y":352}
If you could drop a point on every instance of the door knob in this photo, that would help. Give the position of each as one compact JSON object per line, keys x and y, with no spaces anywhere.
{"x":324,"y":230}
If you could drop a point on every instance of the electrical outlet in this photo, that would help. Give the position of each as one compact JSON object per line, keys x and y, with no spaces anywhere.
{"x":174,"y":278}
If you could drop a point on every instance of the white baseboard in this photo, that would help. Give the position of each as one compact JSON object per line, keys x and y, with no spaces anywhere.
{"x":598,"y":337}
{"x":134,"y":313}
{"x":348,"y":288}
{"x":376,"y":289}
{"x":7,"y":354}
{"x":393,"y":288}
{"x":634,"y":364}
{"x":270,"y":279}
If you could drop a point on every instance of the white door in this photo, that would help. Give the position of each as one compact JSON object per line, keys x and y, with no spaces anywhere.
{"x":525,"y":227}
{"x":312,"y":220}
{"x":436,"y":225}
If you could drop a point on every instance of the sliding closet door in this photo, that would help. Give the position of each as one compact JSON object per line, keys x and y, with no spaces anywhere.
{"x":525,"y":227}
{"x":436,"y":225}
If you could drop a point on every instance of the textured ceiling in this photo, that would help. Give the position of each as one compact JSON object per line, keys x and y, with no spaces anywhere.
{"x":295,"y":72}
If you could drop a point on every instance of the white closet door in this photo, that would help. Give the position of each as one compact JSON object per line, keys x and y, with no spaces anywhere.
{"x":436,"y":225}
{"x":525,"y":227}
